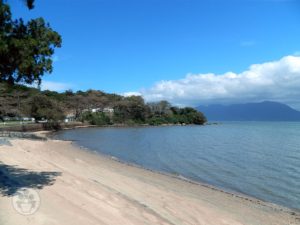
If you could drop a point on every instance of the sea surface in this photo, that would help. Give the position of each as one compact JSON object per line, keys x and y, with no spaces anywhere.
{"x":260,"y":159}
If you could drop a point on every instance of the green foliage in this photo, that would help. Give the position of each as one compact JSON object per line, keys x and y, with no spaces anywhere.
{"x":18,"y":100}
{"x":42,"y":107}
{"x":188,"y":115}
{"x":191,"y":118}
{"x":25,"y":48}
{"x":13,"y":98}
{"x":30,"y":4}
{"x":98,"y":118}
{"x":54,"y":95}
{"x":155,"y":121}
{"x":130,"y":109}
{"x":163,"y":113}
{"x":160,"y":108}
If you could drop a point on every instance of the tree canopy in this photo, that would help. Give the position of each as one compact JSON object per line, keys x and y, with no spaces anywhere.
{"x":26,"y":48}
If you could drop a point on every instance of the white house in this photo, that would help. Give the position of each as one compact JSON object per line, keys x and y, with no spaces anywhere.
{"x":96,"y":110}
{"x":108,"y":110}
{"x":69,"y":117}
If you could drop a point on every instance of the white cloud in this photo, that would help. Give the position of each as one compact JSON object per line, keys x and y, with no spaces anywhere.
{"x":55,"y":86}
{"x":276,"y":81}
{"x":131,"y":93}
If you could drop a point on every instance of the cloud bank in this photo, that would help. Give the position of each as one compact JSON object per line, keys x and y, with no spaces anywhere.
{"x":274,"y":81}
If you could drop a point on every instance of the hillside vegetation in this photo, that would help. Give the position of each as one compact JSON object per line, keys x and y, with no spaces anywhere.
{"x":92,"y":106}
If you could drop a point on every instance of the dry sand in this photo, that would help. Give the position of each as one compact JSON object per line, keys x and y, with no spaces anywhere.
{"x":77,"y":187}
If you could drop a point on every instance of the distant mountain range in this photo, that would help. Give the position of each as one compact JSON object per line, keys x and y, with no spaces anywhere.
{"x":263,"y":111}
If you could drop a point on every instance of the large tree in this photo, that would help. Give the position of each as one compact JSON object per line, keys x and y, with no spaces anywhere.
{"x":26,"y":48}
{"x":43,"y":107}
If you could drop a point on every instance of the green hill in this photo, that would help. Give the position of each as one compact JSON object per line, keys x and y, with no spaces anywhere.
{"x":93,"y":106}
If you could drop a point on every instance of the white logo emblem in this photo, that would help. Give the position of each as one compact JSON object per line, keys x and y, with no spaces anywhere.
{"x":26,"y":201}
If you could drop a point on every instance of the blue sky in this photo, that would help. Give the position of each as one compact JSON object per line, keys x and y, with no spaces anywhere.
{"x":132,"y":45}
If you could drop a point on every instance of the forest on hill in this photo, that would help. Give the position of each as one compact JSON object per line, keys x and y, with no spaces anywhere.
{"x":93,"y":106}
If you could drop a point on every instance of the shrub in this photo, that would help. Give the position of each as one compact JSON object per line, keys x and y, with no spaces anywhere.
{"x":98,"y":118}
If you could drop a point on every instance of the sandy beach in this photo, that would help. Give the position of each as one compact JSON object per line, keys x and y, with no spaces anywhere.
{"x":79,"y":187}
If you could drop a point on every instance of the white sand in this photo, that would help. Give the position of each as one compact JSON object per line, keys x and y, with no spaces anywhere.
{"x":94,"y":190}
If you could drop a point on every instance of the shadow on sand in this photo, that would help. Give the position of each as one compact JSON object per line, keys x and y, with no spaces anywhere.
{"x":13,"y":179}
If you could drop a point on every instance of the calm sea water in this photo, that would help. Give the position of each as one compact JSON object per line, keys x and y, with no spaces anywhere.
{"x":260,"y":159}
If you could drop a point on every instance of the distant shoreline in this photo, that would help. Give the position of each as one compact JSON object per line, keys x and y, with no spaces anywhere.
{"x":36,"y":127}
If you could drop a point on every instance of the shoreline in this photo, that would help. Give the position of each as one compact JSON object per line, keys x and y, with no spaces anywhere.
{"x":244,"y":196}
{"x":180,"y":177}
{"x":39,"y":127}
{"x":187,"y":190}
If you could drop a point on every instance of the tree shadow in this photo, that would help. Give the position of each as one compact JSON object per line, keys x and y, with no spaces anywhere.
{"x":13,"y":179}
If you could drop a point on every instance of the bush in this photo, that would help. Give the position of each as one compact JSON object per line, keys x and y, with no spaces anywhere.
{"x":178,"y":116}
{"x":52,"y":125}
{"x":155,"y":121}
{"x":98,"y":118}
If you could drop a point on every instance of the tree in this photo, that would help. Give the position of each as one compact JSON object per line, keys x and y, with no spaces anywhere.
{"x":42,"y":107}
{"x":30,"y":4}
{"x":25,"y":48}
{"x":130,"y":109}
{"x":13,"y":98}
{"x":192,"y":116}
{"x":98,"y":118}
{"x":160,"y":108}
